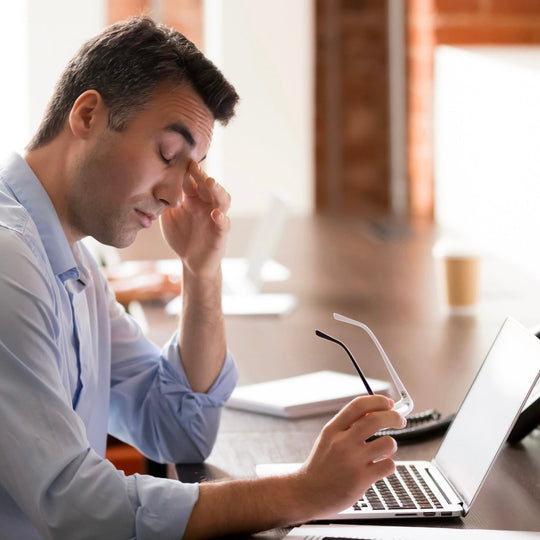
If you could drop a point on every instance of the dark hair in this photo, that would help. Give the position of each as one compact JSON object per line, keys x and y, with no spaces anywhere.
{"x":125,"y":63}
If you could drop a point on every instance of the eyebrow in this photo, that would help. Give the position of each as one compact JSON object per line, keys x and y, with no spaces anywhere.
{"x":183,"y":131}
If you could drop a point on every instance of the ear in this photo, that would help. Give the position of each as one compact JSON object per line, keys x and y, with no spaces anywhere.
{"x":87,"y":114}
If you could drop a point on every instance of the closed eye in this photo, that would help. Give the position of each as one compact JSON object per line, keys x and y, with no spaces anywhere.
{"x":164,"y":159}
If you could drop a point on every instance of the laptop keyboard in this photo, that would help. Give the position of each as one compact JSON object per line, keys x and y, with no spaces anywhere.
{"x":403,"y":490}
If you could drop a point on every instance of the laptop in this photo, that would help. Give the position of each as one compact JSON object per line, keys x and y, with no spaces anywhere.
{"x":449,"y":484}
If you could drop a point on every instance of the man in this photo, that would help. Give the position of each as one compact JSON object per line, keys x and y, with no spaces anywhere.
{"x":120,"y":145}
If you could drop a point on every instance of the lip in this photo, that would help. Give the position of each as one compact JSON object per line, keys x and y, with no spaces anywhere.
{"x":145,"y":219}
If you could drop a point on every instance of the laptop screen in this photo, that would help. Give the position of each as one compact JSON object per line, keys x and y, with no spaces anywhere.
{"x":489,"y":409}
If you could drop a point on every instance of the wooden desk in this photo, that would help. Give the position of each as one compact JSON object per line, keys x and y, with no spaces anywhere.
{"x":338,"y":265}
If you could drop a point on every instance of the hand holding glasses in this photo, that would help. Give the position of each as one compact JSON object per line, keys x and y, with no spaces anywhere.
{"x":405,"y":404}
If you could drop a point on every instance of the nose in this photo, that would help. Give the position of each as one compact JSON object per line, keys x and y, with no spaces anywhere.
{"x":169,"y":190}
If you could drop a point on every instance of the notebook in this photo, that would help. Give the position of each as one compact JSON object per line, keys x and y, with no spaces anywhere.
{"x":449,"y":484}
{"x":303,"y":395}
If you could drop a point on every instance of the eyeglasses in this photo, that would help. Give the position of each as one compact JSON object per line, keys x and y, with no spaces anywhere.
{"x":405,"y":404}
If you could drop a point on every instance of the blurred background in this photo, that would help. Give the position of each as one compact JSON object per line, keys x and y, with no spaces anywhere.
{"x":350,"y":107}
{"x":406,"y":119}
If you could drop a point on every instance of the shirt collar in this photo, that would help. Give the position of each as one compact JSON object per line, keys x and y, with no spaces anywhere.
{"x":32,"y":195}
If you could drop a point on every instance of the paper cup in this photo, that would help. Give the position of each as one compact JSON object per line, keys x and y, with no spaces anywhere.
{"x":459,"y":271}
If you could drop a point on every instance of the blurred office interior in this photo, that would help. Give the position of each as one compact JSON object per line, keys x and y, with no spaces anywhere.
{"x":353,"y":108}
{"x":338,"y":96}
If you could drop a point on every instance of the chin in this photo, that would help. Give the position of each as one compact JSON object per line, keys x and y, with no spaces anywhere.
{"x":123,"y":242}
{"x":118,"y":240}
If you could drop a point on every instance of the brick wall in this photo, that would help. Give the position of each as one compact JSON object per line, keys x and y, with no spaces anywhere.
{"x":451,"y":22}
{"x":351,"y":116}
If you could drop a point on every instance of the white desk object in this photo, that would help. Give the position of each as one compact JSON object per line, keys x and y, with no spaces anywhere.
{"x":243,"y":277}
{"x":378,"y":532}
{"x":304,"y":395}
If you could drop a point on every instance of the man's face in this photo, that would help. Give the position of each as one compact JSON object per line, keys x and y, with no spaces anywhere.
{"x":124,"y":179}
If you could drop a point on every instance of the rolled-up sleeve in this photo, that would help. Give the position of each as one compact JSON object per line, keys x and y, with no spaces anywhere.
{"x":152,"y":404}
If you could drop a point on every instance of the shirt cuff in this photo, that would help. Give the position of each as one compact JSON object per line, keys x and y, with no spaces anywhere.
{"x":163,"y":506}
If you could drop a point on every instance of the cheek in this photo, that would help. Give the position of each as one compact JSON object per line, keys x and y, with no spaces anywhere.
{"x":130,"y":175}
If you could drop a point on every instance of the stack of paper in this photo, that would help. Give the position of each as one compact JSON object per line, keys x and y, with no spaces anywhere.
{"x":304,"y":395}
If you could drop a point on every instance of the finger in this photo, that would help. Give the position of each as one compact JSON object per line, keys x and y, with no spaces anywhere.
{"x":204,"y":184}
{"x":374,"y":421}
{"x":198,"y":174}
{"x":222,"y":221}
{"x":201,"y":178}
{"x":222,"y":198}
{"x":379,"y":469}
{"x":209,"y":190}
{"x":205,"y":189}
{"x":356,"y":409}
{"x":189,"y":186}
{"x":202,"y":189}
{"x":381,"y":448}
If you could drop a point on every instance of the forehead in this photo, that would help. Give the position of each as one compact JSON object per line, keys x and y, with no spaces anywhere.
{"x":179,"y":106}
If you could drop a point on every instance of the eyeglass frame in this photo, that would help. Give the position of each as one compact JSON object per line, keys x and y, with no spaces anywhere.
{"x":405,"y":404}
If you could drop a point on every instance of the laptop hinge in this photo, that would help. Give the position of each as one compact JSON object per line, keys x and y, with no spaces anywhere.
{"x":441,"y":490}
{"x":438,"y":478}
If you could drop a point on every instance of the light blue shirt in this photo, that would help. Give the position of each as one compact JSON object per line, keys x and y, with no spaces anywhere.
{"x":69,"y":375}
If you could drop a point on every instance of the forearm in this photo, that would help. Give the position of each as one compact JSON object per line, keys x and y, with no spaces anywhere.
{"x":341,"y":467}
{"x":202,"y":342}
{"x":247,"y":506}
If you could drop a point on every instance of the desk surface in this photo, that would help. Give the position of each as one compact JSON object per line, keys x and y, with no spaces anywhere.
{"x":391,"y":285}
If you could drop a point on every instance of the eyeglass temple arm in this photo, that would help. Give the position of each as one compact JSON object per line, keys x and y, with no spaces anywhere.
{"x":355,"y":363}
{"x":395,"y":377}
